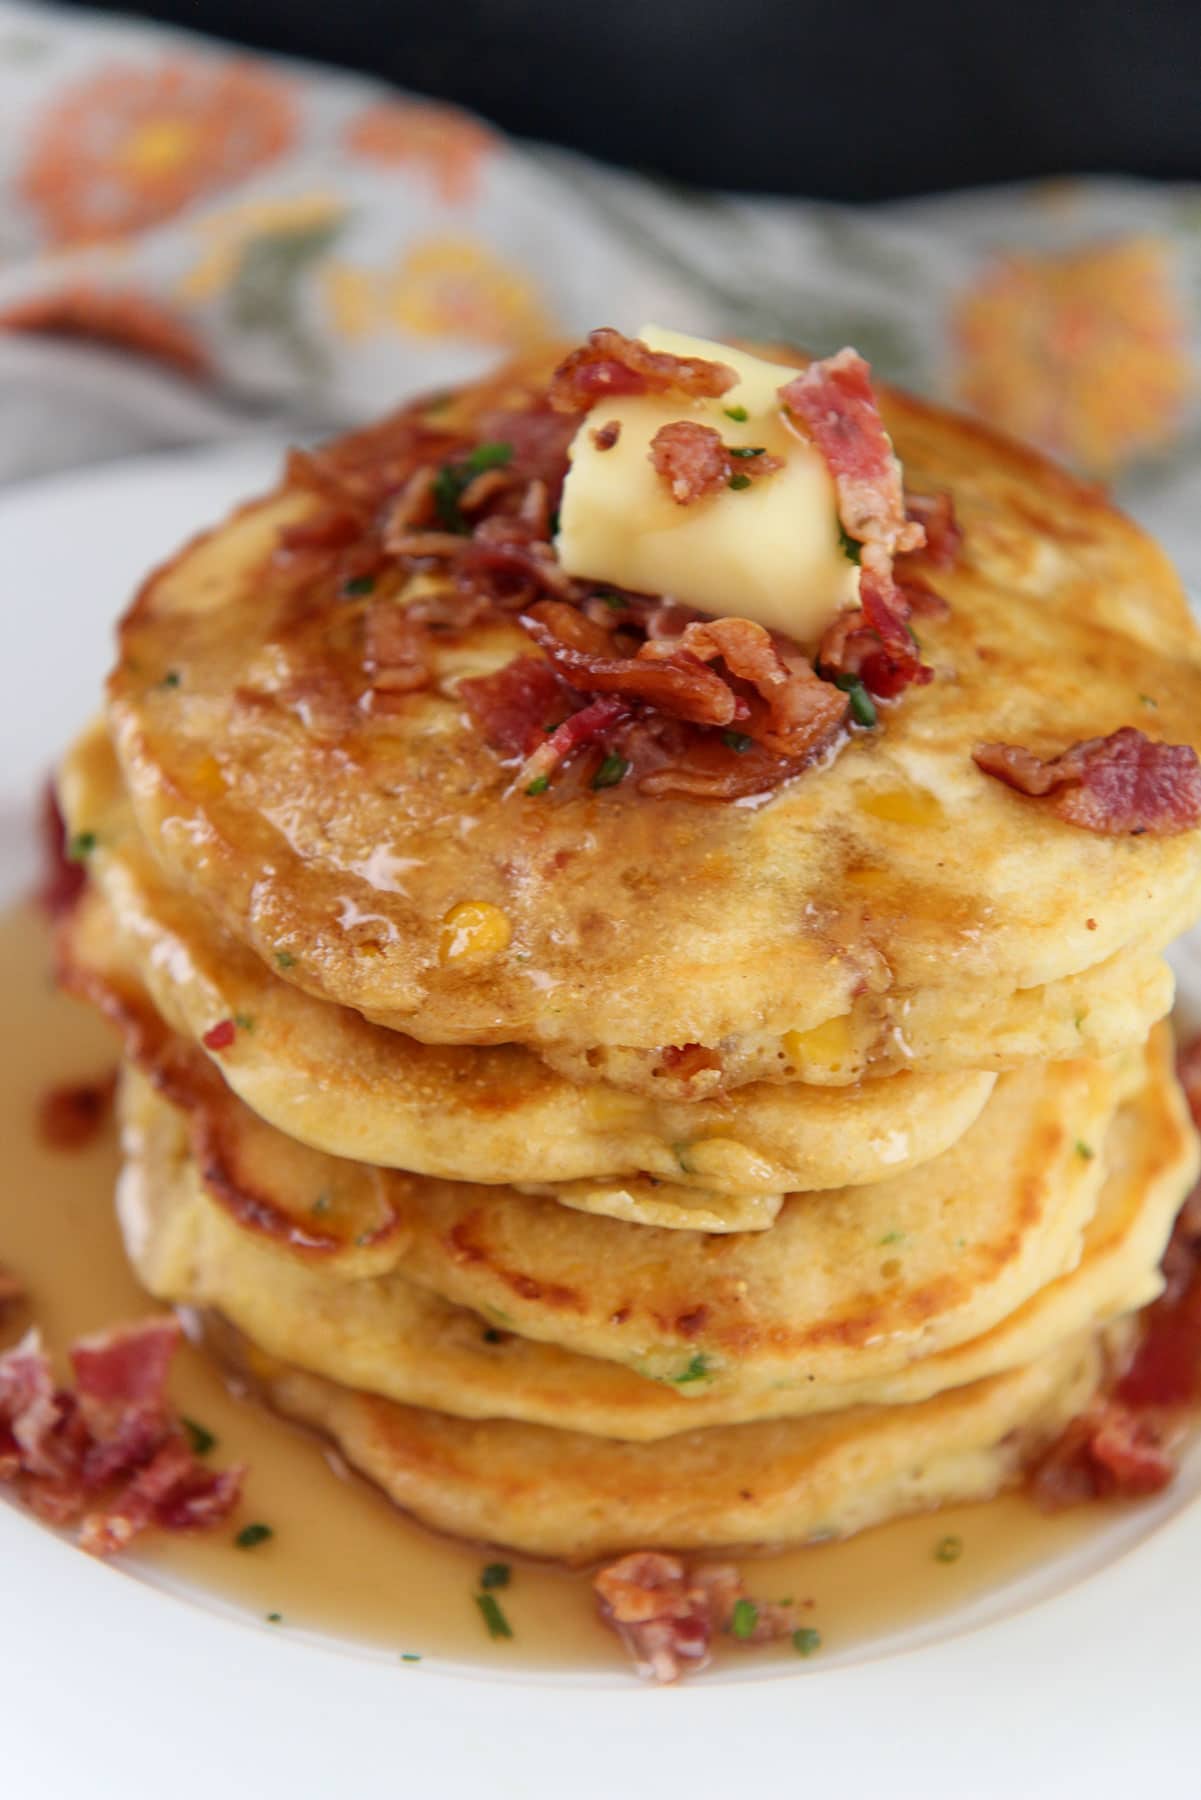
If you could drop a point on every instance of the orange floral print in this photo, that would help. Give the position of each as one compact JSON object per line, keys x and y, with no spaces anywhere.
{"x":135,"y":144}
{"x":1083,"y":353}
{"x":456,"y":287}
{"x":122,"y":318}
{"x":450,"y":145}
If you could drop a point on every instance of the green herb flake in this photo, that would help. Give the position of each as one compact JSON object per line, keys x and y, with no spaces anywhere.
{"x":244,"y":1021}
{"x":252,"y":1535}
{"x":495,"y":1575}
{"x":697,"y":1370}
{"x":1146,"y":700}
{"x":170,"y":679}
{"x":806,"y":1640}
{"x":358,"y":585}
{"x":488,"y":456}
{"x":1084,"y":1151}
{"x":892,"y":1237}
{"x":744,"y":1618}
{"x":320,"y":1205}
{"x":364,"y":1238}
{"x":615,"y":602}
{"x":948,"y":1549}
{"x":275,"y":1618}
{"x":863,"y":707}
{"x":284,"y":959}
{"x":81,"y":845}
{"x":851,"y":548}
{"x":612,"y":770}
{"x":409,"y":1656}
{"x":742,"y":451}
{"x":200,"y":1437}
{"x":738,"y":482}
{"x":554,"y":523}
{"x":539,"y":784}
{"x":736,"y":740}
{"x":739,"y":414}
{"x":493,"y":1616}
{"x":453,"y":479}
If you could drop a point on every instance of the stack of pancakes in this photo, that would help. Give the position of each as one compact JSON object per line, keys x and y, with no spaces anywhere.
{"x":604,"y":1171}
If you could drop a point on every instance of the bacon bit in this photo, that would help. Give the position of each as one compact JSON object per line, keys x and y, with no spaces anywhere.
{"x":681,"y":685}
{"x":610,"y":364}
{"x":1121,"y":785}
{"x":800,"y":713}
{"x":70,"y":1118}
{"x":515,"y":706}
{"x":111,"y":1454}
{"x":605,"y":436}
{"x":666,"y":1614}
{"x":686,"y":1060}
{"x":62,"y":878}
{"x":396,"y":655}
{"x":1110,"y":1450}
{"x":588,"y":727}
{"x":503,"y":547}
{"x":691,"y":460}
{"x":935,"y":513}
{"x":220,"y":1036}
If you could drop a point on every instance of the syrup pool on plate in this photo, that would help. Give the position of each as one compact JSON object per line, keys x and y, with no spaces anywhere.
{"x":342,"y":1561}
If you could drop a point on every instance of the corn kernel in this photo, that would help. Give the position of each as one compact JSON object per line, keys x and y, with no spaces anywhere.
{"x":826,"y":1046}
{"x":902,"y":806}
{"x":473,"y":931}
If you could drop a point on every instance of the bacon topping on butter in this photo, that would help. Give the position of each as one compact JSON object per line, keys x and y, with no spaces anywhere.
{"x":1121,"y":785}
{"x":109,"y":1456}
{"x":693,"y":462}
{"x":610,"y":364}
{"x":667,"y":1614}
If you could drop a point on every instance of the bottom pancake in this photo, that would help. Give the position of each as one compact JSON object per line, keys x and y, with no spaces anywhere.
{"x":573,"y":1497}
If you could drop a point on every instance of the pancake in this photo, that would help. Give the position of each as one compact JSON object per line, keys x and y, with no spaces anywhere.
{"x":343,"y":839}
{"x":329,"y":1078}
{"x":387,"y":1336}
{"x":560,"y":1494}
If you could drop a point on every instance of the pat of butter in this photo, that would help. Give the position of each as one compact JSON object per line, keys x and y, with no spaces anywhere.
{"x":769,"y":552}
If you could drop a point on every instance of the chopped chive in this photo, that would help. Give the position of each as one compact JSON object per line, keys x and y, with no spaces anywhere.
{"x":250,"y":1535}
{"x":244,"y":1021}
{"x":744,"y":1619}
{"x":275,"y":1618}
{"x":680,"y":1152}
{"x":611,"y":771}
{"x":81,"y":845}
{"x":358,"y":584}
{"x":200,"y":1437}
{"x":1148,"y":701}
{"x":170,"y":679}
{"x":863,"y":707}
{"x":1084,"y":1150}
{"x":495,"y":1575}
{"x":736,"y":740}
{"x":409,"y":1656}
{"x":738,"y":482}
{"x":489,"y":456}
{"x":539,"y":784}
{"x":745,"y":450}
{"x":554,"y":523}
{"x":948,"y":1549}
{"x":851,"y":547}
{"x":697,"y":1370}
{"x":284,"y":959}
{"x":738,"y":413}
{"x":892,"y":1237}
{"x":493,"y":1616}
{"x":616,"y":602}
{"x":806,"y":1640}
{"x":453,"y":479}
{"x":321,"y":1205}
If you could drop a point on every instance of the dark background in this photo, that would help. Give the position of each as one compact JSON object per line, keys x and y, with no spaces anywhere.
{"x":844,"y":101}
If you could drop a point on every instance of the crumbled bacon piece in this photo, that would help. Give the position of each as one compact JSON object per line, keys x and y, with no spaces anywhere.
{"x":680,"y":685}
{"x":799,"y":712}
{"x":62,"y":878}
{"x":515,"y":707}
{"x":71,"y":1117}
{"x":1123,"y":784}
{"x":110,"y":1454}
{"x":220,"y":1036}
{"x":935,"y":513}
{"x":666,"y":1614}
{"x":610,"y":365}
{"x":691,"y":460}
{"x":590,"y":726}
{"x":605,"y":436}
{"x":1112,"y":1449}
{"x":395,"y":648}
{"x":686,"y":1060}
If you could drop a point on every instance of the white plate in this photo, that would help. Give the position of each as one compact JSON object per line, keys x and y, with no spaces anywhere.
{"x":1081,"y":1681}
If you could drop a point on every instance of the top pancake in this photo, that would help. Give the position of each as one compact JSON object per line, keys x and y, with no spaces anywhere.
{"x":336,"y":847}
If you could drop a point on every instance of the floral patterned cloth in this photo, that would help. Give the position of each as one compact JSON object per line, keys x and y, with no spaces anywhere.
{"x":236,"y":244}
